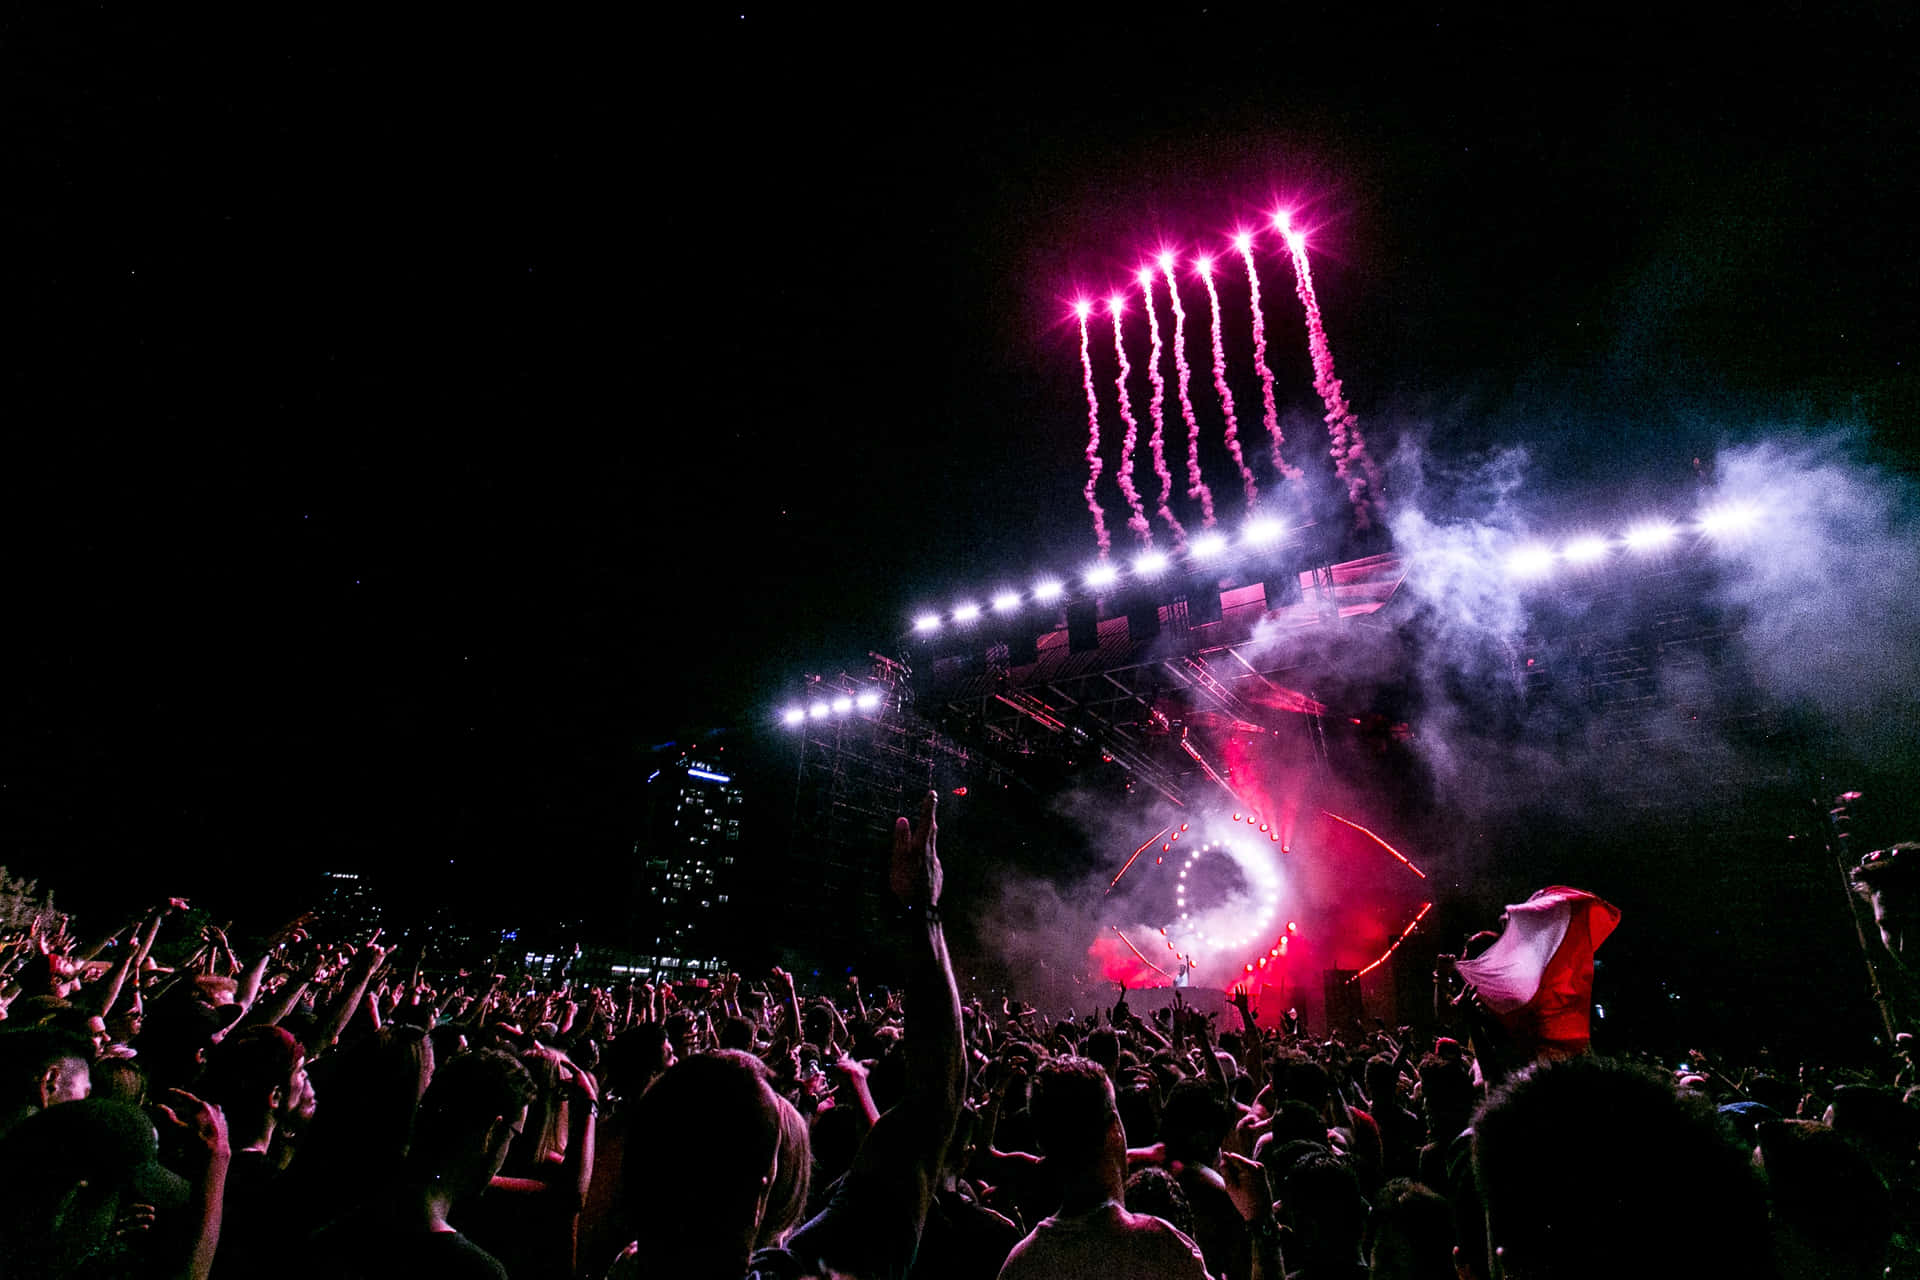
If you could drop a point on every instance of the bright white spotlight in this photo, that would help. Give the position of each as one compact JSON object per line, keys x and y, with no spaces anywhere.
{"x":1730,"y":520}
{"x":1209,"y":544}
{"x":1261,"y":533}
{"x":1047,"y":591}
{"x":1531,"y":562}
{"x":968,"y":612}
{"x":842,"y":705}
{"x":867,"y":701}
{"x":1006,"y":601}
{"x":1587,"y":550}
{"x":818,"y":711}
{"x":1150,"y":563}
{"x":1650,"y":536}
{"x":927,"y":622}
{"x":1102,"y":575}
{"x":793,"y":716}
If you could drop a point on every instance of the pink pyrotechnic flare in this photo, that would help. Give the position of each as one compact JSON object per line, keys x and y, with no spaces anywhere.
{"x":1244,"y":243}
{"x":1196,"y":483}
{"x":1083,"y":309}
{"x":1156,"y":410}
{"x":1349,"y":449}
{"x":1225,"y":392}
{"x":1137,"y":519}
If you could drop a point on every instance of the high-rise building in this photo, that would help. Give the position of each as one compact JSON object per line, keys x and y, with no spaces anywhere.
{"x":686,"y":860}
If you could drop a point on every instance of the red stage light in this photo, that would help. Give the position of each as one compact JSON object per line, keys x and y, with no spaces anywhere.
{"x":1263,"y":962}
{"x":1263,"y":826}
{"x":1183,"y":826}
{"x":1157,"y":862}
{"x":1292,"y":927}
{"x":1236,"y":817}
{"x":1273,"y":951}
{"x":959,"y":791}
{"x":1166,"y":848}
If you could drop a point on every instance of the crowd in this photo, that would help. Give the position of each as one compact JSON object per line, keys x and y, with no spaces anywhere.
{"x":320,"y":1109}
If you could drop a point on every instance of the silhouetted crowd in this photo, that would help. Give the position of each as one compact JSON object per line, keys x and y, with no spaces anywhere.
{"x":317,"y":1109}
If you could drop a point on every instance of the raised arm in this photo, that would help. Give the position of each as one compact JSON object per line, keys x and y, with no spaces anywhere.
{"x":873,"y":1225}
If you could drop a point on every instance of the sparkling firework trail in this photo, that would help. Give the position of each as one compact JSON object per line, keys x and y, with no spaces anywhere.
{"x":1093,"y":436}
{"x":1196,"y":483}
{"x":1137,"y":517}
{"x":1156,"y":409}
{"x":1244,"y":243}
{"x":1226,"y":393}
{"x":1350,"y":460}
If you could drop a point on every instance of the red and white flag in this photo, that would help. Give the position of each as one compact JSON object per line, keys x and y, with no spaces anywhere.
{"x":1538,"y":978}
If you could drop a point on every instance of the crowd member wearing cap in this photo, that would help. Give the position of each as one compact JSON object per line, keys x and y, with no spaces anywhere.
{"x":258,"y":1078}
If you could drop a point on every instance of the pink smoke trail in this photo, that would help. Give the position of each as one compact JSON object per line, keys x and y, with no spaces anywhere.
{"x":1137,"y":520}
{"x":1244,"y":243}
{"x":1251,"y":489}
{"x":1157,"y":442}
{"x":1196,"y":484}
{"x":1350,"y":460}
{"x":1093,"y":435}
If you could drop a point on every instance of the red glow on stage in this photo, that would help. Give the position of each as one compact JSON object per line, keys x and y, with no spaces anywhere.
{"x":1143,"y":960}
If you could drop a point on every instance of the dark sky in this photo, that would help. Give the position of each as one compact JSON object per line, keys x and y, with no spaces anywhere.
{"x":408,"y":422}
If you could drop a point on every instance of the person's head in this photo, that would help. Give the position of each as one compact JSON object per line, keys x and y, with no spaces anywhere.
{"x":792,"y":1179}
{"x":258,"y":1078}
{"x":214,"y":990}
{"x":1877,"y":1121}
{"x":1832,"y":1215}
{"x":469,"y":1117}
{"x":41,"y":1067}
{"x":1383,"y":1080}
{"x":1075,"y":1121}
{"x":65,"y":1174}
{"x":1447,"y":1097}
{"x":636,"y":1057}
{"x":1194,"y":1123}
{"x":1155,"y":1192}
{"x":709,"y":1129}
{"x":1103,"y":1047}
{"x":1321,"y":1204}
{"x":120,"y":1080}
{"x":1591,"y":1168}
{"x":1412,"y":1233}
{"x":736,"y":1033}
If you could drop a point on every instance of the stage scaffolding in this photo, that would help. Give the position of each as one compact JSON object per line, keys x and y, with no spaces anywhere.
{"x":857,"y":771}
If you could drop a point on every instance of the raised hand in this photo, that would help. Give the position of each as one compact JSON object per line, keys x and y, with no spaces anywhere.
{"x":915,"y":874}
{"x":205,"y":1126}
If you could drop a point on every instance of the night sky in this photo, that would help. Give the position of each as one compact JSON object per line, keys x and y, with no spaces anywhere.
{"x":410,"y":424}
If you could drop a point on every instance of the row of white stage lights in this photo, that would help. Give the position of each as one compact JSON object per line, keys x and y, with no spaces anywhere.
{"x":1204,"y":549}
